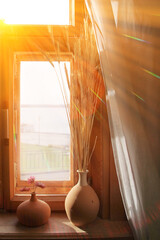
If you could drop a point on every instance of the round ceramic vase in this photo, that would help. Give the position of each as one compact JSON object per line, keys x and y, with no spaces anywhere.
{"x":33,"y":212}
{"x":82,"y":203}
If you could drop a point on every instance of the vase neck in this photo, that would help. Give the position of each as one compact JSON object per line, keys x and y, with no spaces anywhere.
{"x":33,"y":197}
{"x":82,"y":181}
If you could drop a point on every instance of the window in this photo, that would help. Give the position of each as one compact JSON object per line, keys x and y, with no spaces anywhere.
{"x":44,"y":130}
{"x":59,"y":12}
{"x":42,"y":136}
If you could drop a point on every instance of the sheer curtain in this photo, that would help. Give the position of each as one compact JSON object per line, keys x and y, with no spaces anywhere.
{"x":127,"y":34}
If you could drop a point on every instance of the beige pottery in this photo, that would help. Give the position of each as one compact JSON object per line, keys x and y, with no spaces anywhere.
{"x":82,"y":203}
{"x":33,"y":212}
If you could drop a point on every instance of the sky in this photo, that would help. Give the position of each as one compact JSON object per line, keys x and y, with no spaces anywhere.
{"x":35,"y":11}
{"x":39,"y":83}
{"x":39,"y":86}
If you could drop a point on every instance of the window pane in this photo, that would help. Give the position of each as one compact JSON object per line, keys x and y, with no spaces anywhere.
{"x":49,"y":12}
{"x":44,"y":128}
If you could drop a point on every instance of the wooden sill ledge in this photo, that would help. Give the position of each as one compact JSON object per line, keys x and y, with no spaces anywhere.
{"x":59,"y":227}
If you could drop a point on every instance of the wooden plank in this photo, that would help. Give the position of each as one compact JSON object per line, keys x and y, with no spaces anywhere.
{"x":100,"y":160}
{"x":59,"y":227}
{"x":116,"y":206}
{"x":1,"y":183}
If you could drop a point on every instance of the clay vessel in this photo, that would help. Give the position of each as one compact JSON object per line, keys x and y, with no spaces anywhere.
{"x":82,"y":203}
{"x":33,"y":212}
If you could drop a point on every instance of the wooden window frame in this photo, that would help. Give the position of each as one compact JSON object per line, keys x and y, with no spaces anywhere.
{"x":56,"y":191}
{"x":56,"y":187}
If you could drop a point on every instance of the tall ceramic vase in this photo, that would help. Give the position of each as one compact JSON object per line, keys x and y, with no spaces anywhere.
{"x":82,"y":203}
{"x":33,"y":212}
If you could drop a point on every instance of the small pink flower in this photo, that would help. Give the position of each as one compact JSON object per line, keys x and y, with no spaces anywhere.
{"x":31,"y":179}
{"x":39,"y":184}
{"x":25,"y":189}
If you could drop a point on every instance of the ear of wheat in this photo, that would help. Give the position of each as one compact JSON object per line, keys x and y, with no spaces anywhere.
{"x":84,"y":90}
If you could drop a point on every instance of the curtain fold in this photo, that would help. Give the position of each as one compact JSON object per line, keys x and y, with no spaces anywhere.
{"x":127,"y":34}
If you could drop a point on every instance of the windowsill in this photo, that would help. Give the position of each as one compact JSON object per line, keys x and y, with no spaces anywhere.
{"x":59,"y":227}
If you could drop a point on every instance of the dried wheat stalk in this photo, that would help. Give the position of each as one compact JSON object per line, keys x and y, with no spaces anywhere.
{"x":85,"y":89}
{"x":84,"y":85}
